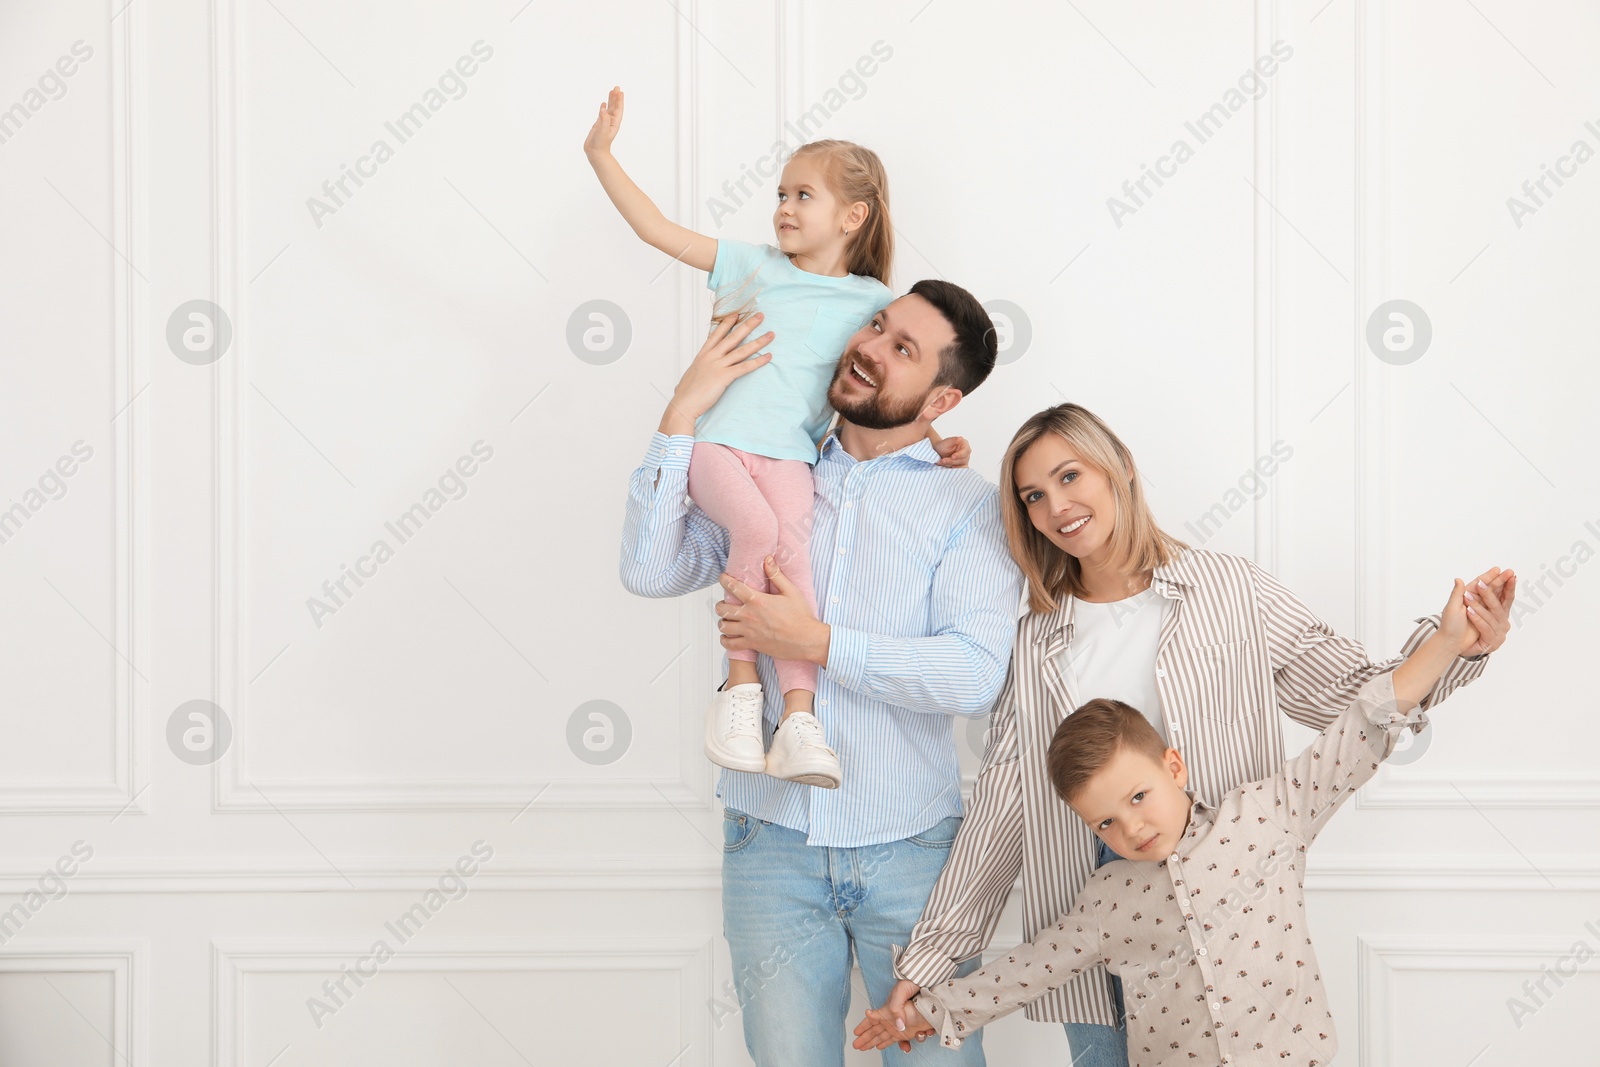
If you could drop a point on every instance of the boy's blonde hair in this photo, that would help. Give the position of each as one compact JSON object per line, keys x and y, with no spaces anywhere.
{"x":1087,"y":740}
{"x":1136,"y":541}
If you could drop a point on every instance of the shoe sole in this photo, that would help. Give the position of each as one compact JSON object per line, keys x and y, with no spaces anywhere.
{"x":723,"y":758}
{"x":821,"y":781}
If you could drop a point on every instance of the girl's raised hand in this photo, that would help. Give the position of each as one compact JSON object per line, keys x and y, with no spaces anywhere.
{"x":606,"y":125}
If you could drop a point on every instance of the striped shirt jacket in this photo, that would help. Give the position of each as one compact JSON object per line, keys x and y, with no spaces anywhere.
{"x":921,"y":596}
{"x":1236,"y":648}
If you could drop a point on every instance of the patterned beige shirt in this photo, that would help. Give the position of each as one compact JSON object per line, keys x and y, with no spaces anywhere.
{"x":1238,"y":652}
{"x":1210,"y":943}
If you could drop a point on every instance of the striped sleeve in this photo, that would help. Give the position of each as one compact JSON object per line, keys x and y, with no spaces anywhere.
{"x":1462,"y":669}
{"x":964,"y":908}
{"x":1317,"y":671}
{"x":960,"y":666}
{"x":669,"y":546}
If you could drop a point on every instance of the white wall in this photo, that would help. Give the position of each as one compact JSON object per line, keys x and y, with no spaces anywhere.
{"x":375,"y":343}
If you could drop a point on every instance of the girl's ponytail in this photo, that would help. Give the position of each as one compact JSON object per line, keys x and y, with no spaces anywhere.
{"x":855,"y":174}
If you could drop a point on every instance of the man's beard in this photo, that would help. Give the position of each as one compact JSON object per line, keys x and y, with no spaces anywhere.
{"x":875,"y":411}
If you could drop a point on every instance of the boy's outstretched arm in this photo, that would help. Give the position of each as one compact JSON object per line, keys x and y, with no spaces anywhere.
{"x":1305,"y":793}
{"x":955,"y":1008}
{"x":640,"y":212}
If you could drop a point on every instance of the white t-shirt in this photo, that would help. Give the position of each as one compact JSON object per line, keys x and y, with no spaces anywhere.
{"x":1113,"y":653}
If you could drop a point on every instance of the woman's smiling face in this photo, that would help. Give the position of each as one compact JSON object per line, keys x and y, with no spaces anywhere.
{"x":1067,"y":500}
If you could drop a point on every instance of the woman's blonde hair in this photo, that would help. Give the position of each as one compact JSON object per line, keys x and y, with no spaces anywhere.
{"x":1137,"y":543}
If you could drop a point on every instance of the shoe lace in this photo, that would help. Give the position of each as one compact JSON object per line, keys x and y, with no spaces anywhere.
{"x":807,"y":732}
{"x":744,"y":711}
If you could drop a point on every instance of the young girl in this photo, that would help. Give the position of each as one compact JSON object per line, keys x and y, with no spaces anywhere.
{"x":750,"y":470}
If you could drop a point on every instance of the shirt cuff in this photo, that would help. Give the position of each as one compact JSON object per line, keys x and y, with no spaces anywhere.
{"x":949,"y":1031}
{"x":926,"y":967}
{"x":669,"y":452}
{"x":847,"y":657}
{"x":1382,"y":708}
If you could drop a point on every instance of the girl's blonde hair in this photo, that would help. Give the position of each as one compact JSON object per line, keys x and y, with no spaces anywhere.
{"x":1137,"y":543}
{"x":854,"y":174}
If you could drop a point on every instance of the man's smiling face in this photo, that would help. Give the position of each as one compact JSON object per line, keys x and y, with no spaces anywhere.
{"x":886,"y":375}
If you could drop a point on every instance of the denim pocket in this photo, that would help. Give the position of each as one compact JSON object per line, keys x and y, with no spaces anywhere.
{"x":940,"y":835}
{"x":738,"y":829}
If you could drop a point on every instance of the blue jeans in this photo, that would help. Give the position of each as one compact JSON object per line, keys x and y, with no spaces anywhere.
{"x":1094,"y":1045}
{"x":793,"y":914}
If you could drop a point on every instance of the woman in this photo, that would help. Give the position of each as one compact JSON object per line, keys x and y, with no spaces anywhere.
{"x":1209,"y":646}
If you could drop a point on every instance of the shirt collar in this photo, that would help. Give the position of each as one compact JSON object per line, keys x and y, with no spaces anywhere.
{"x":921,"y":450}
{"x":1170,"y":580}
{"x":1201,"y":816}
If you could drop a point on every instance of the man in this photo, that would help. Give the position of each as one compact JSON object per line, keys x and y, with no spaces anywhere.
{"x":918,"y":599}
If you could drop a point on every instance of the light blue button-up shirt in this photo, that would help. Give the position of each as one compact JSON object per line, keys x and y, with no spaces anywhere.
{"x":912,"y":576}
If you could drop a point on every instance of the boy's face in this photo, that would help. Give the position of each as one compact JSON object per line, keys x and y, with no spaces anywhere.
{"x":1137,"y":806}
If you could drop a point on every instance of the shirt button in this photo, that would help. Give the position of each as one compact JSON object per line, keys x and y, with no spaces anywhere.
{"x":847,"y":503}
{"x":1201,"y":951}
{"x":1215,"y":1005}
{"x":841,"y":552}
{"x":1161,"y":672}
{"x":823,"y":703}
{"x":1184,"y":902}
{"x":833,"y":600}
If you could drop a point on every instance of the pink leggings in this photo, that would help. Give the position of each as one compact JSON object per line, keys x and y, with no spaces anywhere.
{"x":765,"y":505}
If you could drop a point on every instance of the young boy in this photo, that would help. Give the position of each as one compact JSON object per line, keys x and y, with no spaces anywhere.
{"x":1204,"y":920}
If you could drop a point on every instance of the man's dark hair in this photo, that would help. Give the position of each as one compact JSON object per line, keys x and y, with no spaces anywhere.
{"x":966,"y":361}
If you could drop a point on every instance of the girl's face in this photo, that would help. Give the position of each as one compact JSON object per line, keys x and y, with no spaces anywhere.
{"x":1067,"y":500}
{"x":809,"y":216}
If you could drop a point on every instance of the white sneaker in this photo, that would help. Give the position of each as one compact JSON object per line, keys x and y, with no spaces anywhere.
{"x":799,"y":753}
{"x":733,"y":729}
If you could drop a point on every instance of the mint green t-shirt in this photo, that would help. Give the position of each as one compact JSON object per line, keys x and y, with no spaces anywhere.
{"x":781,"y":410}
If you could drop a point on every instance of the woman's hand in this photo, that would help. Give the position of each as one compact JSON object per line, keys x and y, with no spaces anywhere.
{"x":606,"y":125}
{"x":1488,"y":600}
{"x":878,"y":1029}
{"x":1478,"y":622}
{"x":726,"y":355}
